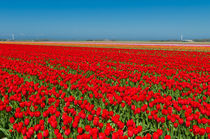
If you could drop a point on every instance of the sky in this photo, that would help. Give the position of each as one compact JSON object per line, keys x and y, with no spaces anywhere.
{"x":105,"y":19}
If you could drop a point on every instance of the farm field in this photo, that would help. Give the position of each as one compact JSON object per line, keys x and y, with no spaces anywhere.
{"x":50,"y":91}
{"x":190,"y":46}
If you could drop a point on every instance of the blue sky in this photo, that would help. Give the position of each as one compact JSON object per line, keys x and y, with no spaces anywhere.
{"x":105,"y":19}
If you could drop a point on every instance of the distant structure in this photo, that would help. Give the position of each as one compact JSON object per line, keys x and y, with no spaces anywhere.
{"x":181,"y":37}
{"x":187,"y":40}
{"x":13,"y":37}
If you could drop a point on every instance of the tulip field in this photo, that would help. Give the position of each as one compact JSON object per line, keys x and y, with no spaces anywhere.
{"x":101,"y":93}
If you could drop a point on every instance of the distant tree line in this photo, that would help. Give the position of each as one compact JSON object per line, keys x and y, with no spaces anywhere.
{"x":41,"y":40}
{"x":201,"y":40}
{"x":3,"y":39}
{"x":165,"y":40}
{"x":194,"y":40}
